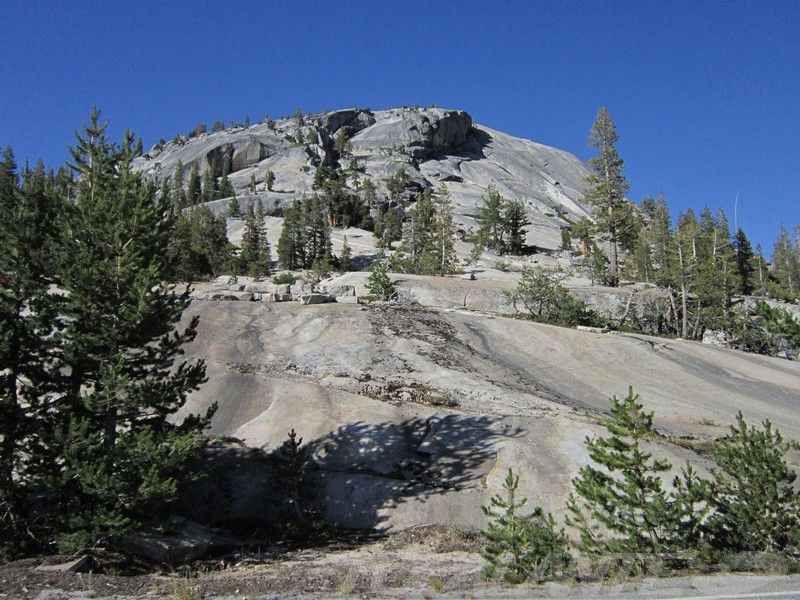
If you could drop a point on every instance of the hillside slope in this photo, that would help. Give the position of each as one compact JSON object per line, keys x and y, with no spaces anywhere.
{"x":414,"y":415}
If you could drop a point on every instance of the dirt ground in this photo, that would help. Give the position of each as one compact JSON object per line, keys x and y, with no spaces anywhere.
{"x":421,"y":562}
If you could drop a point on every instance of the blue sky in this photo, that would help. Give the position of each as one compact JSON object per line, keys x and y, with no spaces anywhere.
{"x":705,"y":95}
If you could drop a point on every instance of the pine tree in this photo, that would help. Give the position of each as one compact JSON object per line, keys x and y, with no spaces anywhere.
{"x":490,"y":218}
{"x":417,"y":232}
{"x":29,"y":367}
{"x":225,"y":187}
{"x":607,"y":188}
{"x":233,"y":211}
{"x":345,"y":261}
{"x":249,"y":253}
{"x":745,"y":263}
{"x":752,"y":496}
{"x":621,"y":506}
{"x":514,"y":222}
{"x":210,"y":189}
{"x":662,"y":241}
{"x":761,"y":269}
{"x":716,"y":279}
{"x":264,"y":262}
{"x":523,"y":548}
{"x":295,"y":483}
{"x":199,"y":247}
{"x":165,"y":192}
{"x":442,"y":242}
{"x":123,"y":458}
{"x":292,"y":241}
{"x":392,"y":228}
{"x":193,"y":190}
{"x":544,"y":298}
{"x":396,"y":185}
{"x":179,"y":200}
{"x":317,"y":230}
{"x":786,"y":265}
{"x":687,"y":233}
{"x":379,"y":285}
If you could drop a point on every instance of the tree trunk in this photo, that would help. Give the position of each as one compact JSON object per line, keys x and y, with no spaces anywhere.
{"x":684,"y":316}
{"x":612,"y":261}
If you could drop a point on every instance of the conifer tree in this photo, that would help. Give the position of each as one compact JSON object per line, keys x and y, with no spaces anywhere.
{"x":745,"y":263}
{"x":392,"y":228}
{"x":292,"y":241}
{"x":687,"y":233}
{"x":233,"y":211}
{"x":29,"y":322}
{"x":490,"y":218}
{"x":255,"y":257}
{"x":225,"y":187}
{"x":442,"y":243}
{"x":164,"y":193}
{"x":193,"y":189}
{"x":417,"y":232}
{"x":621,"y":507}
{"x":607,"y":188}
{"x":514,"y":222}
{"x":379,"y":285}
{"x":199,"y":247}
{"x":295,"y":483}
{"x":522,"y":547}
{"x":752,"y":496}
{"x":178,"y":197}
{"x":786,"y":265}
{"x":123,"y":458}
{"x":317,"y":229}
{"x":761,"y":269}
{"x":345,"y":260}
{"x":210,"y":189}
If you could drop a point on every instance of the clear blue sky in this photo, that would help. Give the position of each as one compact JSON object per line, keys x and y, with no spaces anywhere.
{"x":705,"y":95}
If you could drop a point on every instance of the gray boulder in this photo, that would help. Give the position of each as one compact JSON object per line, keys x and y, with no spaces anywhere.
{"x":189,"y":542}
{"x":315,"y":299}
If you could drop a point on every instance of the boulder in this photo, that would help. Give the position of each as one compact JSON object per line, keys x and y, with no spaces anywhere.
{"x":314,"y":299}
{"x":189,"y":542}
{"x":260,"y":287}
{"x":340,"y":290}
{"x":83,"y":564}
{"x":243,"y":296}
{"x":713,"y":337}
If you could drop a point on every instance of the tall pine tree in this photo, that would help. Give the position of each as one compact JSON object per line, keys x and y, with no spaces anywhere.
{"x":29,"y":323}
{"x":613,"y":213}
{"x":123,"y":454}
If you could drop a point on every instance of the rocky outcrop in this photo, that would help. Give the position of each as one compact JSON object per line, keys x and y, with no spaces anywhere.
{"x":432,"y":146}
{"x":419,"y":134}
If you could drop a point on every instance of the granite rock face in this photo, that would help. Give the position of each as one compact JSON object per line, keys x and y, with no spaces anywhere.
{"x":414,"y":415}
{"x":433,"y":147}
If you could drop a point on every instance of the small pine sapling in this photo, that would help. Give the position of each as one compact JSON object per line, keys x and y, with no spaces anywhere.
{"x":379,"y":285}
{"x":523,"y":548}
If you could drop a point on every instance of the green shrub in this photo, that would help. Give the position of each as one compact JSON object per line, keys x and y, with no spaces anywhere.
{"x":284,"y":278}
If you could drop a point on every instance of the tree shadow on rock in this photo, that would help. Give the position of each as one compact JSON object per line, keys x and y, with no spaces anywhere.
{"x":367,"y":469}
